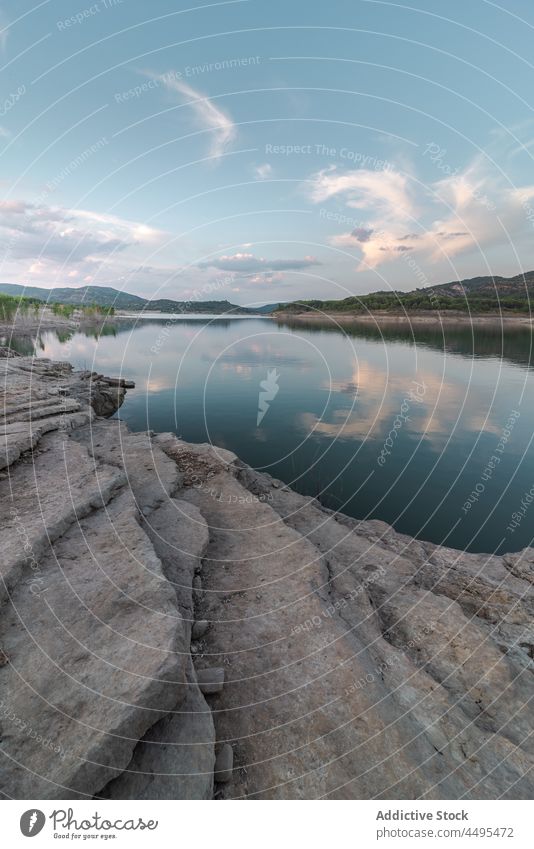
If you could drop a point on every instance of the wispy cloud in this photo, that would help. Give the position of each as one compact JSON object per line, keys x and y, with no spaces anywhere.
{"x":208,"y":115}
{"x":263,"y":172}
{"x":249,"y":263}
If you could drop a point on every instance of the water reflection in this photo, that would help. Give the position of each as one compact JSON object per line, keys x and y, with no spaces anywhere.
{"x":492,"y":340}
{"x":396,"y":423}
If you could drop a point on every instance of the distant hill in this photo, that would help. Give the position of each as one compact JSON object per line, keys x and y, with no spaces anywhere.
{"x":505,"y":286}
{"x":215,"y":307}
{"x":477,"y":295}
{"x":106,"y":296}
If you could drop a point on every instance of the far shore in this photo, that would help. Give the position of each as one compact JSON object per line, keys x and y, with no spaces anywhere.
{"x":419,"y":318}
{"x":31,"y":323}
{"x":45,"y":319}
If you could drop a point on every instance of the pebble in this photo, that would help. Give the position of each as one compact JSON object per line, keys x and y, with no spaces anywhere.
{"x":199,"y":629}
{"x":210,"y":680}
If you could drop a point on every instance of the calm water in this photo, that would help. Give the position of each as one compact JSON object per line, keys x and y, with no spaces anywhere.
{"x":381,"y":425}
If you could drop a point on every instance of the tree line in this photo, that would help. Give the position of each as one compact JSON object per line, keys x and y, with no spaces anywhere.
{"x":413,"y":301}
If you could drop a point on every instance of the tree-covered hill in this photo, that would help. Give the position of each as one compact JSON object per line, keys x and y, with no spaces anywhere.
{"x":477,"y":295}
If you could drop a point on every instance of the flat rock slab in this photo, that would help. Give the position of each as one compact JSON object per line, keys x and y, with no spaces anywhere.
{"x":151,"y":475}
{"x":92,"y":658}
{"x":40,"y":499}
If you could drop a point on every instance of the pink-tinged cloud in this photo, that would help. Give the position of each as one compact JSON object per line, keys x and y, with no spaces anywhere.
{"x":469,"y":210}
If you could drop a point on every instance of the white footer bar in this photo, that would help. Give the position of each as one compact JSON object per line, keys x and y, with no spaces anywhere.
{"x":259,"y":824}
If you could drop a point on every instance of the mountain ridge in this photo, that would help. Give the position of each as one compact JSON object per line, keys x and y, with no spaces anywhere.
{"x":485,"y":292}
{"x":109,"y":297}
{"x":476,"y":294}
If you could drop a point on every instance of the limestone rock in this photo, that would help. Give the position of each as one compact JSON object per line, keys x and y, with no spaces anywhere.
{"x":106,"y":399}
{"x":92,"y":658}
{"x":151,"y":475}
{"x":41,"y":499}
{"x":179,"y":534}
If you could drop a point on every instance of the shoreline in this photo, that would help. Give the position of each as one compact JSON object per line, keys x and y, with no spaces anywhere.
{"x":308,"y":602}
{"x":482,"y":319}
{"x":170,"y":316}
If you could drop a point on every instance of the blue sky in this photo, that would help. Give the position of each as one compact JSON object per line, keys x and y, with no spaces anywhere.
{"x":264,"y":151}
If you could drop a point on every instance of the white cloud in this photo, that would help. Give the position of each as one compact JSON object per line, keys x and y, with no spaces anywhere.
{"x":246,"y":262}
{"x":386,"y":192}
{"x":470,"y":210}
{"x":263,"y":172}
{"x":266,"y":278}
{"x":51,"y":242}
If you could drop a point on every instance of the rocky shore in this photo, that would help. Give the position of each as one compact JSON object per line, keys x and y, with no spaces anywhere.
{"x":176,"y":625}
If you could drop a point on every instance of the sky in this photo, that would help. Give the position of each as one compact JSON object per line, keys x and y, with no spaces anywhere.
{"x":260,"y":151}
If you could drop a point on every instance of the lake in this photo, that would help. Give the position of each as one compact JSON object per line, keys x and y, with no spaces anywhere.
{"x":430,"y":431}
